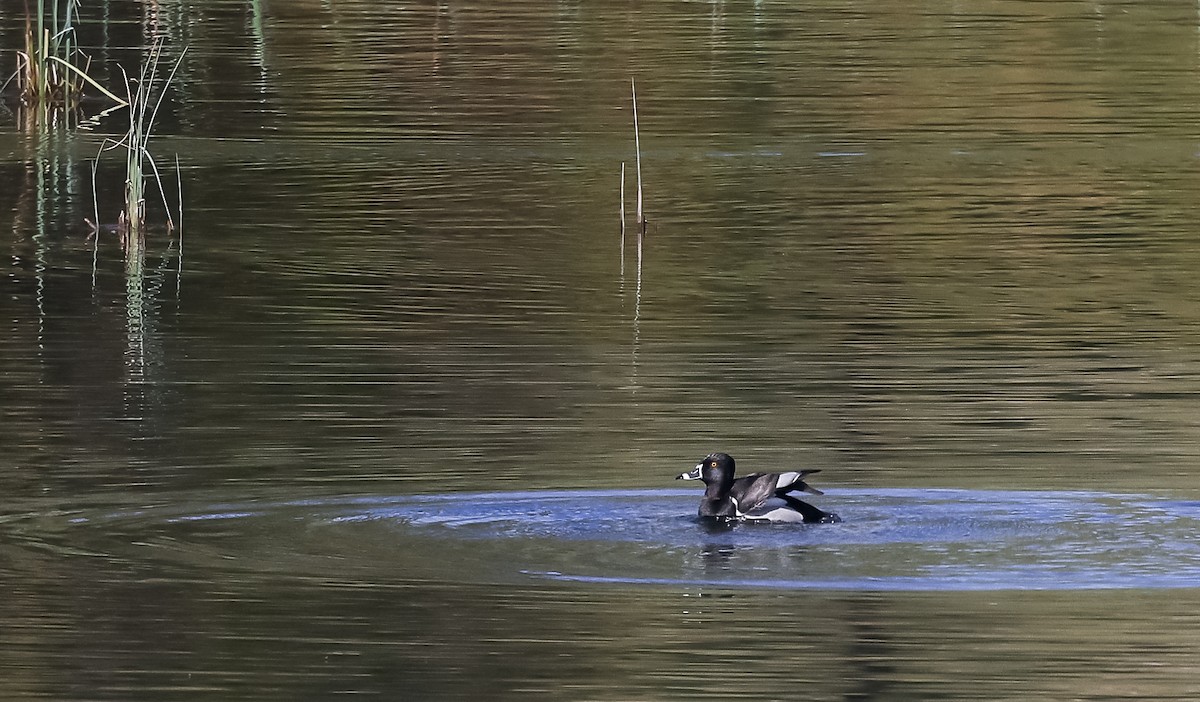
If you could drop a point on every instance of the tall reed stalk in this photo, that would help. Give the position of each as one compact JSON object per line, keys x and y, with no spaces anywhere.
{"x":637,"y":143}
{"x":622,"y":218}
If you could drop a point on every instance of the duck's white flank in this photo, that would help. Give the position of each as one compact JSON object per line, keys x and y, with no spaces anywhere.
{"x":774,"y":510}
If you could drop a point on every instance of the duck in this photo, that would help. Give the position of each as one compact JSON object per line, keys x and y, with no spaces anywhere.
{"x":759,"y":497}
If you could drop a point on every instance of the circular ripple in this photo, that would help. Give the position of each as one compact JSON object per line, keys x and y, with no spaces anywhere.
{"x":889,"y":540}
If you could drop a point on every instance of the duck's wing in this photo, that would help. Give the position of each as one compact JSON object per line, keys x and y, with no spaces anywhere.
{"x":790,"y":482}
{"x":751,"y":491}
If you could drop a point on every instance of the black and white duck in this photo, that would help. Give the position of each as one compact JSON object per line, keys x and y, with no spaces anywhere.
{"x":759,"y":497}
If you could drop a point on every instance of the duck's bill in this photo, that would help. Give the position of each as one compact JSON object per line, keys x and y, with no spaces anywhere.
{"x":693,"y":474}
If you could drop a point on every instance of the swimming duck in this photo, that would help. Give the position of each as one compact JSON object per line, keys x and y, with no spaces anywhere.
{"x":760,"y":497}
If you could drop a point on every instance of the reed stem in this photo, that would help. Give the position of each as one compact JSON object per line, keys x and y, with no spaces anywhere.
{"x":622,"y":218}
{"x":637,"y":143}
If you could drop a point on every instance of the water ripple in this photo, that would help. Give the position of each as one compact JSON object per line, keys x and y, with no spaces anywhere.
{"x":900,"y":539}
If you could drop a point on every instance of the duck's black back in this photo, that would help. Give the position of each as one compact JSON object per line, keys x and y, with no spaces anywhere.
{"x":753,"y":490}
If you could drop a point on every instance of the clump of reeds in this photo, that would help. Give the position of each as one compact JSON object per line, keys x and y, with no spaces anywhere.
{"x":45,"y":72}
{"x":48,"y":70}
{"x":144,"y":96}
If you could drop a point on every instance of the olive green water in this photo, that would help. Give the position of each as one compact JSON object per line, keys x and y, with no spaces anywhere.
{"x":937,"y":246}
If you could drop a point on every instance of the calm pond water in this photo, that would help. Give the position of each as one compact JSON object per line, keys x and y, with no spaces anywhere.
{"x":402,"y":420}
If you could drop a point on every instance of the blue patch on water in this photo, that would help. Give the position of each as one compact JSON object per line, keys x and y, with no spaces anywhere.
{"x":888,"y":539}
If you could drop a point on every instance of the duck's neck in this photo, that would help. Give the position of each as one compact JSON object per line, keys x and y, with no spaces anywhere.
{"x":717,"y":507}
{"x":718,"y":490}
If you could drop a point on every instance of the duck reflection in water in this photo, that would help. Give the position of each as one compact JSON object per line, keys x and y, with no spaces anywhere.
{"x":759,"y":497}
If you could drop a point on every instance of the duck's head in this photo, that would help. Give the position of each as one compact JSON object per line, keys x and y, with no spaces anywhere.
{"x":715,"y":468}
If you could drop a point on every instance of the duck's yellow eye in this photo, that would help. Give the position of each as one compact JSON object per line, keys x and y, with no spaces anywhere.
{"x":713,"y":464}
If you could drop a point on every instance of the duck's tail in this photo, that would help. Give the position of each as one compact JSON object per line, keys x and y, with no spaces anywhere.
{"x":811,"y":514}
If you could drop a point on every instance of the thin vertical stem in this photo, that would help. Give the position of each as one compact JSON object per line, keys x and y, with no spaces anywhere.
{"x":179,"y":189}
{"x":96,"y":222}
{"x":622,"y":218}
{"x":637,"y":143}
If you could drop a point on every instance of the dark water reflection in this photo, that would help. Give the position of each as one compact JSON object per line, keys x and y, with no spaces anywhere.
{"x":949,"y":248}
{"x":167,"y":635}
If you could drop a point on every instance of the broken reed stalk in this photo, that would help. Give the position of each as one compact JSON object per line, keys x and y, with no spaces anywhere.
{"x":637,"y":143}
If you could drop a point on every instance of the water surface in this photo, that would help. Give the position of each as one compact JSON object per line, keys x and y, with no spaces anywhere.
{"x":945,"y":254}
{"x":888,"y":540}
